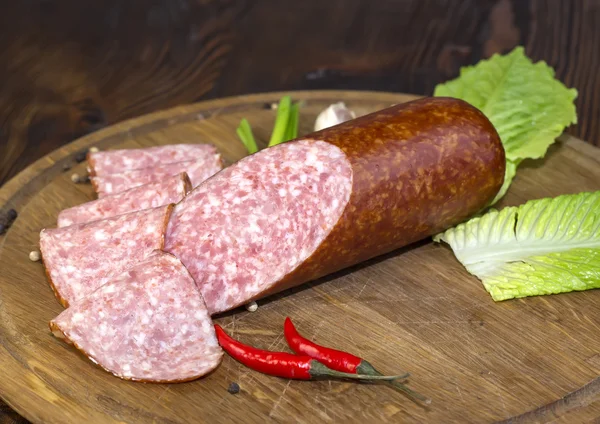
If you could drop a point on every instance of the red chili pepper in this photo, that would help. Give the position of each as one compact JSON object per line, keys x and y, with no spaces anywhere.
{"x":283,"y":364}
{"x":337,"y":359}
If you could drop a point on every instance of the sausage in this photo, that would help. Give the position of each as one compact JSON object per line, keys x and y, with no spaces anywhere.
{"x":148,"y":323}
{"x":198,"y":170}
{"x":307,"y":208}
{"x":121,"y":160}
{"x":80,"y":258}
{"x":147,"y":196}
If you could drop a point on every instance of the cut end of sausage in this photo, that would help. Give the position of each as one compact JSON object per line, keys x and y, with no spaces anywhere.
{"x":247,"y":227}
{"x":148,"y":324}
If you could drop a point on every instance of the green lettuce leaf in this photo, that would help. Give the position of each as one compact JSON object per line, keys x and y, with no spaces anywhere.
{"x":543,"y":247}
{"x":527,"y":105}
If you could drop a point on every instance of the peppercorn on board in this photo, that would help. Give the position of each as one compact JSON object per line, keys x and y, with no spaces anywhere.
{"x":416,"y":309}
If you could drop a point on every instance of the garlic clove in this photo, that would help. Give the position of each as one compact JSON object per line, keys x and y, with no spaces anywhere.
{"x":333,"y":115}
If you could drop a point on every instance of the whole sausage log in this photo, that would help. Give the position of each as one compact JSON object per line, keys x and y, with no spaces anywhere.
{"x":304,"y":209}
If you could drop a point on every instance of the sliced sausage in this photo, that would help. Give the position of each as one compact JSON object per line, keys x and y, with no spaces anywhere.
{"x":82,"y":257}
{"x":148,"y":323}
{"x":147,"y":196}
{"x":304,"y":209}
{"x":116,"y":161}
{"x":198,"y":170}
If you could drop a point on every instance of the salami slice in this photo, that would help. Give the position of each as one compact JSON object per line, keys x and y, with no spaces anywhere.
{"x":149,"y":323}
{"x":147,"y":196}
{"x":117,"y":161}
{"x":304,"y":209}
{"x":198,"y":170}
{"x":82,"y":257}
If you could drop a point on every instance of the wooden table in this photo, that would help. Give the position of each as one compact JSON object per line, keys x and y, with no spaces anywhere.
{"x":68,"y":68}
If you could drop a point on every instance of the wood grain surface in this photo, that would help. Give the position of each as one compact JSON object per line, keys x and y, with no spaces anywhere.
{"x":70,"y":67}
{"x":416,"y":309}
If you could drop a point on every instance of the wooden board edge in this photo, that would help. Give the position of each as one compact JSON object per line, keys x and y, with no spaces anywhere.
{"x":560,"y":407}
{"x":581,"y":146}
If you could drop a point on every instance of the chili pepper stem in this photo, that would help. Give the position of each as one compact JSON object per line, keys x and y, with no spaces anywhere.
{"x":365,"y":367}
{"x":317,"y":369}
{"x":409,"y":392}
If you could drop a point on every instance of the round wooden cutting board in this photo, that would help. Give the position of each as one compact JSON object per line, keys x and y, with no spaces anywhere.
{"x":537,"y":359}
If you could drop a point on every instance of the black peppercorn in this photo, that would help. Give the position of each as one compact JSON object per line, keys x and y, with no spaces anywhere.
{"x":11,"y":215}
{"x":233,"y":388}
{"x":80,"y":156}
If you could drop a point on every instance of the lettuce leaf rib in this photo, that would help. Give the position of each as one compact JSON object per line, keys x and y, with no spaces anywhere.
{"x":542,"y":247}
